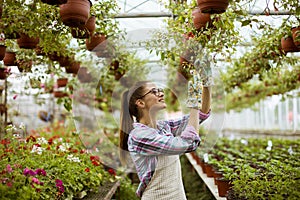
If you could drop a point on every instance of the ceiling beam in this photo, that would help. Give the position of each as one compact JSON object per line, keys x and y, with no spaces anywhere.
{"x":167,"y":14}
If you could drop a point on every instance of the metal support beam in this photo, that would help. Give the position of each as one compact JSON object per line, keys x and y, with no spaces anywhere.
{"x":168,"y":14}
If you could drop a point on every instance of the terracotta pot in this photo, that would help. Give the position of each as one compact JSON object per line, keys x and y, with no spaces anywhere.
{"x":73,"y":68}
{"x":209,"y":170}
{"x":223,"y":186}
{"x":27,"y":42}
{"x":200,"y":20}
{"x":10,"y":59}
{"x":59,"y":94}
{"x":217,"y":174}
{"x":97,"y":42}
{"x":287,"y":45}
{"x":213,"y":6}
{"x":3,"y":73}
{"x":296,"y":36}
{"x":75,"y":13}
{"x":62,"y":82}
{"x":2,"y":51}
{"x":54,"y":2}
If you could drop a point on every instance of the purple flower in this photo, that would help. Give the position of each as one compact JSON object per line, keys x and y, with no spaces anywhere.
{"x":40,"y":172}
{"x":8,"y":168}
{"x":28,"y":172}
{"x":59,"y":185}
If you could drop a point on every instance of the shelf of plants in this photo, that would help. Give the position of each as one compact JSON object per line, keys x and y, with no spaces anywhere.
{"x":255,"y":168}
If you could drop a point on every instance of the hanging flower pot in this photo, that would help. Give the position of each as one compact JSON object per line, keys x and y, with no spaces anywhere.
{"x":59,"y":94}
{"x":73,"y":68}
{"x":287,"y":45}
{"x":296,"y":36}
{"x":86,"y":31}
{"x":97,"y":42}
{"x":27,"y":42}
{"x":75,"y":13}
{"x":10,"y":59}
{"x":213,"y":6}
{"x":54,"y":2}
{"x":2,"y":51}
{"x":62,"y":82}
{"x":3,"y":73}
{"x":200,"y":20}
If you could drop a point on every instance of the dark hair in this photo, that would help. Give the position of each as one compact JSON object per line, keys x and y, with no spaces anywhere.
{"x":128,"y":111}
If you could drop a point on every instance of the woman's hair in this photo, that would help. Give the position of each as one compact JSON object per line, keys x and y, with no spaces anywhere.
{"x":128,"y":111}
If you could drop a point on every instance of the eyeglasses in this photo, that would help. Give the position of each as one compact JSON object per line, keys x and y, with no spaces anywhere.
{"x":154,"y":91}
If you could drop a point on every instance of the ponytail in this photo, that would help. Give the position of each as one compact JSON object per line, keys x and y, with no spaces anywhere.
{"x":128,"y":110}
{"x":126,"y":126}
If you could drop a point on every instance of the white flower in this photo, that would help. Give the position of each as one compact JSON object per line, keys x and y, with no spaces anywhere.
{"x":73,"y":158}
{"x":38,"y":150}
{"x":62,"y":148}
{"x":42,"y":140}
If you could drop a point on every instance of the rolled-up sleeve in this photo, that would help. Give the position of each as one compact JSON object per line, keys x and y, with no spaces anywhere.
{"x":147,"y":141}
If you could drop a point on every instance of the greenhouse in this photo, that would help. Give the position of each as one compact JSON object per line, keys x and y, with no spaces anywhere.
{"x":150,"y":99}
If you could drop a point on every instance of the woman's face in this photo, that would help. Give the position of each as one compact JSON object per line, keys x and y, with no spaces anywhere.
{"x":153,"y":97}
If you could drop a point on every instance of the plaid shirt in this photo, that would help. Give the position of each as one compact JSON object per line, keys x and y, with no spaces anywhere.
{"x":172,"y":137}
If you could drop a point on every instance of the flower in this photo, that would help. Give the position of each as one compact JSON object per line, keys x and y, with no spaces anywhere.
{"x":87,"y":169}
{"x":59,"y":185}
{"x":29,"y":172}
{"x":73,"y":158}
{"x":41,"y":172}
{"x":37,"y":149}
{"x":112,"y":171}
{"x":8,"y":168}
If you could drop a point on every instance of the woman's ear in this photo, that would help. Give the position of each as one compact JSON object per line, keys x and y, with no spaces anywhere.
{"x":140,"y":103}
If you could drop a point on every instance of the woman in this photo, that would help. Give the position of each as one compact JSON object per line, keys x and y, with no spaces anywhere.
{"x":154,"y":145}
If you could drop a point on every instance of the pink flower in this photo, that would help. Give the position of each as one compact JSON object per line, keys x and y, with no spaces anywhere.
{"x":42,"y":85}
{"x":8,"y":168}
{"x":37,"y":181}
{"x":9,"y":184}
{"x":28,"y":172}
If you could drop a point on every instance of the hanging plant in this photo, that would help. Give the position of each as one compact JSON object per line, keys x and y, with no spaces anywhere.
{"x":75,"y":13}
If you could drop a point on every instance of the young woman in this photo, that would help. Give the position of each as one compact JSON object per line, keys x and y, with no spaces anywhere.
{"x":155,"y":146}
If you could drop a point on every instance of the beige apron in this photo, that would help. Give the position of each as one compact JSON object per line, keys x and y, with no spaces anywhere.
{"x":166,"y":183}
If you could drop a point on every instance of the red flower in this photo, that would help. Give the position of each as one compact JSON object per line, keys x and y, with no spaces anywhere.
{"x":87,"y":169}
{"x":95,"y":160}
{"x":82,"y":151}
{"x":112,"y":171}
{"x":32,"y":138}
{"x":5,"y":141}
